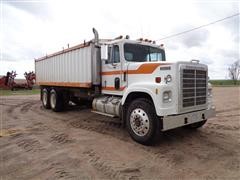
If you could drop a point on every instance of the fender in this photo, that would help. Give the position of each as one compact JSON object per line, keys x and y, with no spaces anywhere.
{"x":148,"y":88}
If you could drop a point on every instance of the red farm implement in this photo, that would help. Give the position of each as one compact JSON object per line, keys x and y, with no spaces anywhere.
{"x":8,"y":81}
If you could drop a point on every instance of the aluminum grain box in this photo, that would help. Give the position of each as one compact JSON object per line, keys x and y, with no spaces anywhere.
{"x":74,"y":67}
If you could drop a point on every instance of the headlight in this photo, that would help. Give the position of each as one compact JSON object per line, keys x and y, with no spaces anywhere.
{"x":168,"y":78}
{"x":167,"y":96}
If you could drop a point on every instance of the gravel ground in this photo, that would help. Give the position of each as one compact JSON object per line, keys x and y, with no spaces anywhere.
{"x":40,"y":144}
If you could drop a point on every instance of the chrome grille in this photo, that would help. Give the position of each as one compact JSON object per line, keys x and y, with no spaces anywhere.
{"x":194,"y":87}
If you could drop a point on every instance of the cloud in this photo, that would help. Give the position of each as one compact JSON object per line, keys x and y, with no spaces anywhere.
{"x":207,"y":60}
{"x":8,"y":57}
{"x":25,"y":54}
{"x":230,"y":53}
{"x":195,"y":38}
{"x":214,"y":10}
{"x":232,"y":24}
{"x":20,"y":67}
{"x":30,"y":29}
{"x":40,"y":9}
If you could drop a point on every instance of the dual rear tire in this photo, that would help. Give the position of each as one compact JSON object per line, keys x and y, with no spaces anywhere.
{"x":53,"y":99}
{"x":45,"y":98}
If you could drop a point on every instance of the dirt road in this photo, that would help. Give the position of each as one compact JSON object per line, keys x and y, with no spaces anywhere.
{"x":39,"y":144}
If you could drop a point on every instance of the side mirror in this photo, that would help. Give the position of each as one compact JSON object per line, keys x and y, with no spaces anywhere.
{"x":104,"y":52}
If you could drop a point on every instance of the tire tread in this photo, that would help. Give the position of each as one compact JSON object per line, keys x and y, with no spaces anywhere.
{"x":148,"y":106}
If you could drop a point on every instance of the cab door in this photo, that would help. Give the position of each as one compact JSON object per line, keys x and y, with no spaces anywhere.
{"x":112,"y":74}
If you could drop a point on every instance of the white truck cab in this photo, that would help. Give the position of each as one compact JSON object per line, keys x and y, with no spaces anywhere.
{"x":131,"y":79}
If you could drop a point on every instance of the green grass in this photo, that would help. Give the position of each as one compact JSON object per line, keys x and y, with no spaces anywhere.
{"x":4,"y":92}
{"x":224,"y":83}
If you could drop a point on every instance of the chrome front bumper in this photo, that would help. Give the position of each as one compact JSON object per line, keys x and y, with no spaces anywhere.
{"x":175,"y":121}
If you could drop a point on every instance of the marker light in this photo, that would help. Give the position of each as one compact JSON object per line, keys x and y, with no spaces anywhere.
{"x":168,"y":78}
{"x":158,"y":79}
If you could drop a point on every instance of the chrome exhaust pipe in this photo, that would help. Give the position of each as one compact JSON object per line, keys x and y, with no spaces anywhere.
{"x":96,"y":37}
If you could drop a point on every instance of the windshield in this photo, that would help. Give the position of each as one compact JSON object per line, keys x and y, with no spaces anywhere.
{"x":143,"y":53}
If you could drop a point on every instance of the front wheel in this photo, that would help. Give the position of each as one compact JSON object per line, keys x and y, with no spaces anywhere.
{"x":142,"y":122}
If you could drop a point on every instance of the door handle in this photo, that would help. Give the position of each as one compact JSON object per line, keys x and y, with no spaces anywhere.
{"x":124,"y":76}
{"x":114,"y":65}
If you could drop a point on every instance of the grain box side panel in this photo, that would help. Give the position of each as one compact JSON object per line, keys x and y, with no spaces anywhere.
{"x":72,"y":68}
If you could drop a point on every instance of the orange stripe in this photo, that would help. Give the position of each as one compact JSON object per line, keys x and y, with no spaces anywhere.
{"x":110,"y":88}
{"x":143,"y":69}
{"x":66,"y":84}
{"x":112,"y":72}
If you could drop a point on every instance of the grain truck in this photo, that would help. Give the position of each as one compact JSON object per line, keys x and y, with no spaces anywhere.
{"x":129,"y":79}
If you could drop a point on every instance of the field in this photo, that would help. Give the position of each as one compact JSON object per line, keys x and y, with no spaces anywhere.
{"x":4,"y":92}
{"x":39,"y":144}
{"x":224,"y":83}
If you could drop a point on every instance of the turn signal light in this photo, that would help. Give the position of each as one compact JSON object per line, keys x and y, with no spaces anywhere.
{"x":158,"y":79}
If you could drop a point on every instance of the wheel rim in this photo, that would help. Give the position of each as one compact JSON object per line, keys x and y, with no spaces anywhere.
{"x":45,"y":98}
{"x":139,"y":122}
{"x":53,"y":100}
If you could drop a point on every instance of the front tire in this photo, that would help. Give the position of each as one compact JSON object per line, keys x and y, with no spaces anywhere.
{"x":56,"y":100}
{"x":142,"y":122}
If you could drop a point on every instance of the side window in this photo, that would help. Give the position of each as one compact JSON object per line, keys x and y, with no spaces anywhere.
{"x":113,"y":54}
{"x":116,"y":54}
{"x":128,"y":56}
{"x":109,"y":55}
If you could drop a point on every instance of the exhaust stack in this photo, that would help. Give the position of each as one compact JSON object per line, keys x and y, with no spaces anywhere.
{"x":96,"y":37}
